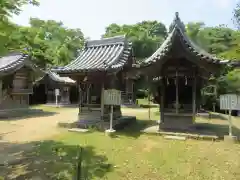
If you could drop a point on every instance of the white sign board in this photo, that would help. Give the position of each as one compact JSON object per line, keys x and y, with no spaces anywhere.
{"x":229,"y":102}
{"x":57,"y":92}
{"x":112,"y":97}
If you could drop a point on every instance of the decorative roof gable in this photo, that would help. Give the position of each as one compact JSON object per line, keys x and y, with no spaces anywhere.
{"x":177,"y":30}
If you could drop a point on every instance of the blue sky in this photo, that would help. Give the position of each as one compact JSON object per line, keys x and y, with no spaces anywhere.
{"x":92,"y":16}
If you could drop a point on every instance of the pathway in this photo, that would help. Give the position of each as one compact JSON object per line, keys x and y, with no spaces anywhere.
{"x":35,"y":128}
{"x":15,"y":133}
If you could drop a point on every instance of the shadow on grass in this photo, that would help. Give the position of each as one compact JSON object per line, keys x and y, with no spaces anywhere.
{"x":140,"y":106}
{"x":218,"y":129}
{"x":52,"y":160}
{"x":206,"y":129}
{"x":135,"y":128}
{"x":148,"y":105}
{"x":22,"y":114}
{"x":130,"y":128}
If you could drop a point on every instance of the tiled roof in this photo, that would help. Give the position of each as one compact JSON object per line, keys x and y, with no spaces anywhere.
{"x":100,"y":55}
{"x":12,"y":61}
{"x":55,"y":77}
{"x":15,"y":61}
{"x":178,"y":31}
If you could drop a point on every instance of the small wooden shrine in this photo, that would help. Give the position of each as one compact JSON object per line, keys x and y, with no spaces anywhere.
{"x":17,"y":74}
{"x":53,"y":82}
{"x":179,"y":69}
{"x":102,"y":64}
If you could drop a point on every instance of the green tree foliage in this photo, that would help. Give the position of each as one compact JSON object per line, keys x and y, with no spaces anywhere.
{"x":48,"y":42}
{"x":6,"y":27}
{"x":224,"y":43}
{"x":7,"y":9}
{"x":146,"y":36}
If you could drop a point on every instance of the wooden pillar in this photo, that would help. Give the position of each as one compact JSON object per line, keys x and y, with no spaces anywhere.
{"x":149,"y":108}
{"x":88,"y":91}
{"x":79,"y":98}
{"x":194,"y":96}
{"x":1,"y":93}
{"x":177,"y":97}
{"x":162,"y":97}
{"x":102,"y":101}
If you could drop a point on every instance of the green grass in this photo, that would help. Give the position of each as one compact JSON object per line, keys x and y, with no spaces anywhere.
{"x":130,"y":155}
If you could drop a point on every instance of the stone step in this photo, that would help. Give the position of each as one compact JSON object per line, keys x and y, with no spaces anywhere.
{"x":182,"y":138}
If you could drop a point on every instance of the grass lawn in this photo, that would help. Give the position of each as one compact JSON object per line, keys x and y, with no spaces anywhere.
{"x":129,"y":155}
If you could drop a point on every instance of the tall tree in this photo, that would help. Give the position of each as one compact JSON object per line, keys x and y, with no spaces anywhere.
{"x":146,"y":36}
{"x":9,"y":7}
{"x":48,"y":42}
{"x":236,"y":15}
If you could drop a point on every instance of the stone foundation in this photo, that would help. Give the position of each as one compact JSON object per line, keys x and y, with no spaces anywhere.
{"x":177,"y":122}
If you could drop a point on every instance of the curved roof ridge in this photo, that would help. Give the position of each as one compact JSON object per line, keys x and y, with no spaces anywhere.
{"x":178,"y":28}
{"x":106,"y":41}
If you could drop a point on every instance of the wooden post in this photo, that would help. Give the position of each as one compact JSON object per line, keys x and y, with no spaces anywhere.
{"x":79,"y":99}
{"x":88,"y":90}
{"x":194,"y":97}
{"x":214,"y":107}
{"x":149,"y":109}
{"x":111,"y":118}
{"x":177,"y":97}
{"x":162,"y":94}
{"x":1,"y":92}
{"x":230,"y":121}
{"x":102,"y":101}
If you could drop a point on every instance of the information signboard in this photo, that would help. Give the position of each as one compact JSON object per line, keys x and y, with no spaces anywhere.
{"x":229,"y":102}
{"x":112,"y":97}
{"x":57,"y":92}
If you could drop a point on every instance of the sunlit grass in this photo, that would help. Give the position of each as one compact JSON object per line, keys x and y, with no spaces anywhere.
{"x":132,"y":155}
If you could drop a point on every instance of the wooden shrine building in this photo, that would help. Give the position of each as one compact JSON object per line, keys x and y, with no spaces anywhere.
{"x":46,"y":87}
{"x":17,"y":74}
{"x":179,"y":69}
{"x":102,"y":64}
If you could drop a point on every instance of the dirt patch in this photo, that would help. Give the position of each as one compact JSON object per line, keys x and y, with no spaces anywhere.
{"x":35,"y":128}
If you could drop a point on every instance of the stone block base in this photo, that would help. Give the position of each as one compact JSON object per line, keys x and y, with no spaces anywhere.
{"x":110,"y":132}
{"x":177,"y":122}
{"x":230,"y":139}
